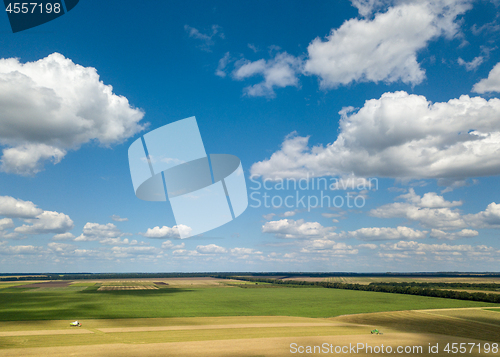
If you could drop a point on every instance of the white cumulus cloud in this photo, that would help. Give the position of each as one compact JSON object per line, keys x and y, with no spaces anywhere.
{"x":101,"y":232}
{"x":490,"y":84}
{"x":433,"y":212}
{"x":387,"y":233}
{"x":400,"y":135}
{"x":53,"y":105}
{"x":464,"y":233}
{"x":167,"y":232}
{"x":382,"y":48}
{"x":385,"y":48}
{"x":46,"y":222}
{"x":16,"y":208}
{"x":289,"y":228}
{"x":63,"y":236}
{"x":210,"y":249}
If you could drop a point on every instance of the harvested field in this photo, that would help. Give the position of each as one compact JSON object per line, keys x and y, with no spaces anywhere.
{"x":309,"y":279}
{"x":128,"y":283}
{"x":269,"y":347}
{"x":73,"y":331}
{"x":128,"y":287}
{"x":48,"y":284}
{"x":482,"y":316}
{"x":248,"y":342}
{"x":432,"y":321}
{"x":472,"y":291}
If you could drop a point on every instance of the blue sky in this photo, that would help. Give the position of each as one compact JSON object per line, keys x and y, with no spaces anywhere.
{"x":398,"y":98}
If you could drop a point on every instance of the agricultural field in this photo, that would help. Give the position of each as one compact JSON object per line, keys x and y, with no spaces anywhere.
{"x":222,"y":317}
{"x":368,"y":280}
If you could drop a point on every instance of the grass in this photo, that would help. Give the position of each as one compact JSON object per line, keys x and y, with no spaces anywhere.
{"x":67,"y":304}
{"x":8,"y":285}
{"x":178,"y":336}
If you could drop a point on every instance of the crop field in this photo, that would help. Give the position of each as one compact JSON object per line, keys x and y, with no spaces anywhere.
{"x":221,"y":317}
{"x":368,"y":280}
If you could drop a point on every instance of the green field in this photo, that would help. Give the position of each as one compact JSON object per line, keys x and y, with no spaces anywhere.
{"x":211,"y":317}
{"x":68,"y":303}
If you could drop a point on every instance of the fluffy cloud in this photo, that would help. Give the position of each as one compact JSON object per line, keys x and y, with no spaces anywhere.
{"x":167,"y":232}
{"x":489,"y":218}
{"x":101,"y":232}
{"x":16,"y":208}
{"x":405,"y":249}
{"x":116,"y":241}
{"x":37,"y":220}
{"x":464,"y":233}
{"x":328,"y":247}
{"x":19,"y":249}
{"x":63,"y":236}
{"x":6,"y":223}
{"x":387,"y":233}
{"x":46,"y":222}
{"x":289,"y":228}
{"x":430,"y":210}
{"x":54,"y":105}
{"x":434,"y":211}
{"x":210,"y":249}
{"x":367,"y":246}
{"x":126,"y":252}
{"x":28,"y":159}
{"x":490,"y":84}
{"x":385,"y":48}
{"x":400,"y":135}
{"x":169,"y":245}
{"x":244,"y":253}
{"x":428,"y":200}
{"x":61,"y":248}
{"x":278,"y":72}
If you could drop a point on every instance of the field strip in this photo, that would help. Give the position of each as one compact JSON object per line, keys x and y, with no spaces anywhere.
{"x":455,"y":317}
{"x":269,"y":347}
{"x":44,"y":332}
{"x":216,"y":327}
{"x":455,"y":308}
